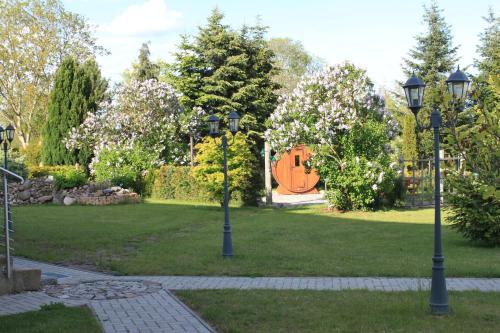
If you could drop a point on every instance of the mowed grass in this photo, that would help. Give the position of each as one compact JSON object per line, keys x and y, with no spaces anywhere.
{"x":346,"y":311}
{"x":54,"y":318}
{"x":164,"y":238}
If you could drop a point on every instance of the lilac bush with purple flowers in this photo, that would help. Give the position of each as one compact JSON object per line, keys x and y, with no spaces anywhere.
{"x":337,"y":113}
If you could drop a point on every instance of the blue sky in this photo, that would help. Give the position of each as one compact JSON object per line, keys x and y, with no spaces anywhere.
{"x":374,"y":34}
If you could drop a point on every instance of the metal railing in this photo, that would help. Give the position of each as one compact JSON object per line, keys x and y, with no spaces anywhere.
{"x":8,"y":227}
{"x":418,"y":179}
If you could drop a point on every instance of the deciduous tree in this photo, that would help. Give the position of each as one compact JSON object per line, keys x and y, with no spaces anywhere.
{"x":35,"y":36}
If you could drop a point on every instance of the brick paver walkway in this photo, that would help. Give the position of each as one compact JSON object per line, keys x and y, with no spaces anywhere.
{"x":163,"y":312}
{"x":153,"y":313}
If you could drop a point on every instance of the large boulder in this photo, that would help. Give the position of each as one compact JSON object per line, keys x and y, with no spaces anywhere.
{"x":68,"y":201}
{"x":24,"y":195}
{"x":24,"y":186}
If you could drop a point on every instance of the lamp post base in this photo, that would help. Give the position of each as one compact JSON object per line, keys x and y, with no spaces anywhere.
{"x":227,"y":247}
{"x":439,"y":294}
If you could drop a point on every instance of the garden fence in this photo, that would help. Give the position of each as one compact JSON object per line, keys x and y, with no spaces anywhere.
{"x":418,"y":179}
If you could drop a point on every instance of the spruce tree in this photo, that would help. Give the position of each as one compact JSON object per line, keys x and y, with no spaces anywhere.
{"x":489,"y":50}
{"x":432,"y":60}
{"x":144,"y":69}
{"x":224,"y":70}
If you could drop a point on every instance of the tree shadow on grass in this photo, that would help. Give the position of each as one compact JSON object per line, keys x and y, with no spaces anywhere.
{"x":164,"y":238}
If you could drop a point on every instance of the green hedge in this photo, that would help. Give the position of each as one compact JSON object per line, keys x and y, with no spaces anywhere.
{"x":174,"y":182}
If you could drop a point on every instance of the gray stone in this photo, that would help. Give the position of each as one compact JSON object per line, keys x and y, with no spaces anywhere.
{"x":25,"y":186}
{"x":24,"y":195}
{"x":115,"y":188}
{"x":57,"y":197}
{"x":24,"y":279}
{"x":68,"y":201}
{"x":45,"y":198}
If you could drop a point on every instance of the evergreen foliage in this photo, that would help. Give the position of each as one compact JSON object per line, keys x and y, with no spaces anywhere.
{"x":224,"y":70}
{"x":409,"y":138}
{"x":489,"y":49}
{"x":144,"y":69}
{"x":475,"y":202}
{"x":432,"y":60}
{"x":78,"y":89}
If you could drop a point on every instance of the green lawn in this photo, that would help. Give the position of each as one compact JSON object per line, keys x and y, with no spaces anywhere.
{"x":161,"y":237}
{"x":54,"y":318}
{"x":346,"y":311}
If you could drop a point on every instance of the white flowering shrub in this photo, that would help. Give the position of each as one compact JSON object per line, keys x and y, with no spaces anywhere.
{"x":142,"y":119}
{"x":337,"y":114}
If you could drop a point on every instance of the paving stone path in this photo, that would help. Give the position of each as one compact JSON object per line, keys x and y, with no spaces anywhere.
{"x":144,"y":304}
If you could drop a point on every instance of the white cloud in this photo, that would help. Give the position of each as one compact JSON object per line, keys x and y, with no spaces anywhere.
{"x":152,"y":16}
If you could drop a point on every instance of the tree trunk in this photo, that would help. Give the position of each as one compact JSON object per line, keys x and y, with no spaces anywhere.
{"x":267,"y":171}
{"x":191,"y":149}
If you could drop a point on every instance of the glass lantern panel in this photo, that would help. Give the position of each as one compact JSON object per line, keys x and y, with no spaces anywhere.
{"x":421,"y":95}
{"x":458,"y":89}
{"x":450,"y":88}
{"x":466,"y":87}
{"x":214,"y":127}
{"x":233,"y":125}
{"x":414,"y":96}
{"x":407,"y":94}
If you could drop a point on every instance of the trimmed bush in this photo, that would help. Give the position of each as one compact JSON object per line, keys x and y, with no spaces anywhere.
{"x":244,"y":178}
{"x":176,"y":182}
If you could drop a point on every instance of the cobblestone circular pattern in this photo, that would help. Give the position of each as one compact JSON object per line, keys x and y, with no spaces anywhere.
{"x":102,"y":290}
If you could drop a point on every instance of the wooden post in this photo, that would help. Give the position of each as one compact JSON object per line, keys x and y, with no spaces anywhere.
{"x":267,"y":172}
{"x":191,"y":149}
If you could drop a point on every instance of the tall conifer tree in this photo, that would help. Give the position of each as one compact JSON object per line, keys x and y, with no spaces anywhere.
{"x":78,"y":89}
{"x":143,"y":69}
{"x":432,"y":59}
{"x":59,"y":120}
{"x":224,"y":70}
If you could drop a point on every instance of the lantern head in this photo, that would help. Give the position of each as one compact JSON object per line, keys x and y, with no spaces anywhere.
{"x":458,"y":83}
{"x":9,"y":130}
{"x":414,"y":91}
{"x":234,"y":122}
{"x":213,"y":125}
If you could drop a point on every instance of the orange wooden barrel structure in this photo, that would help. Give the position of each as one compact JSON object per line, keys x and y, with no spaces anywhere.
{"x":290,"y":173}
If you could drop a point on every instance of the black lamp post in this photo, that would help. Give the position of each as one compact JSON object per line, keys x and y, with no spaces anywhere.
{"x":414,"y":91}
{"x":6,"y":137}
{"x":213,"y":124}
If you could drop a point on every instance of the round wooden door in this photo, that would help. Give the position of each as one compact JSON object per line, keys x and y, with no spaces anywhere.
{"x":290,"y":173}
